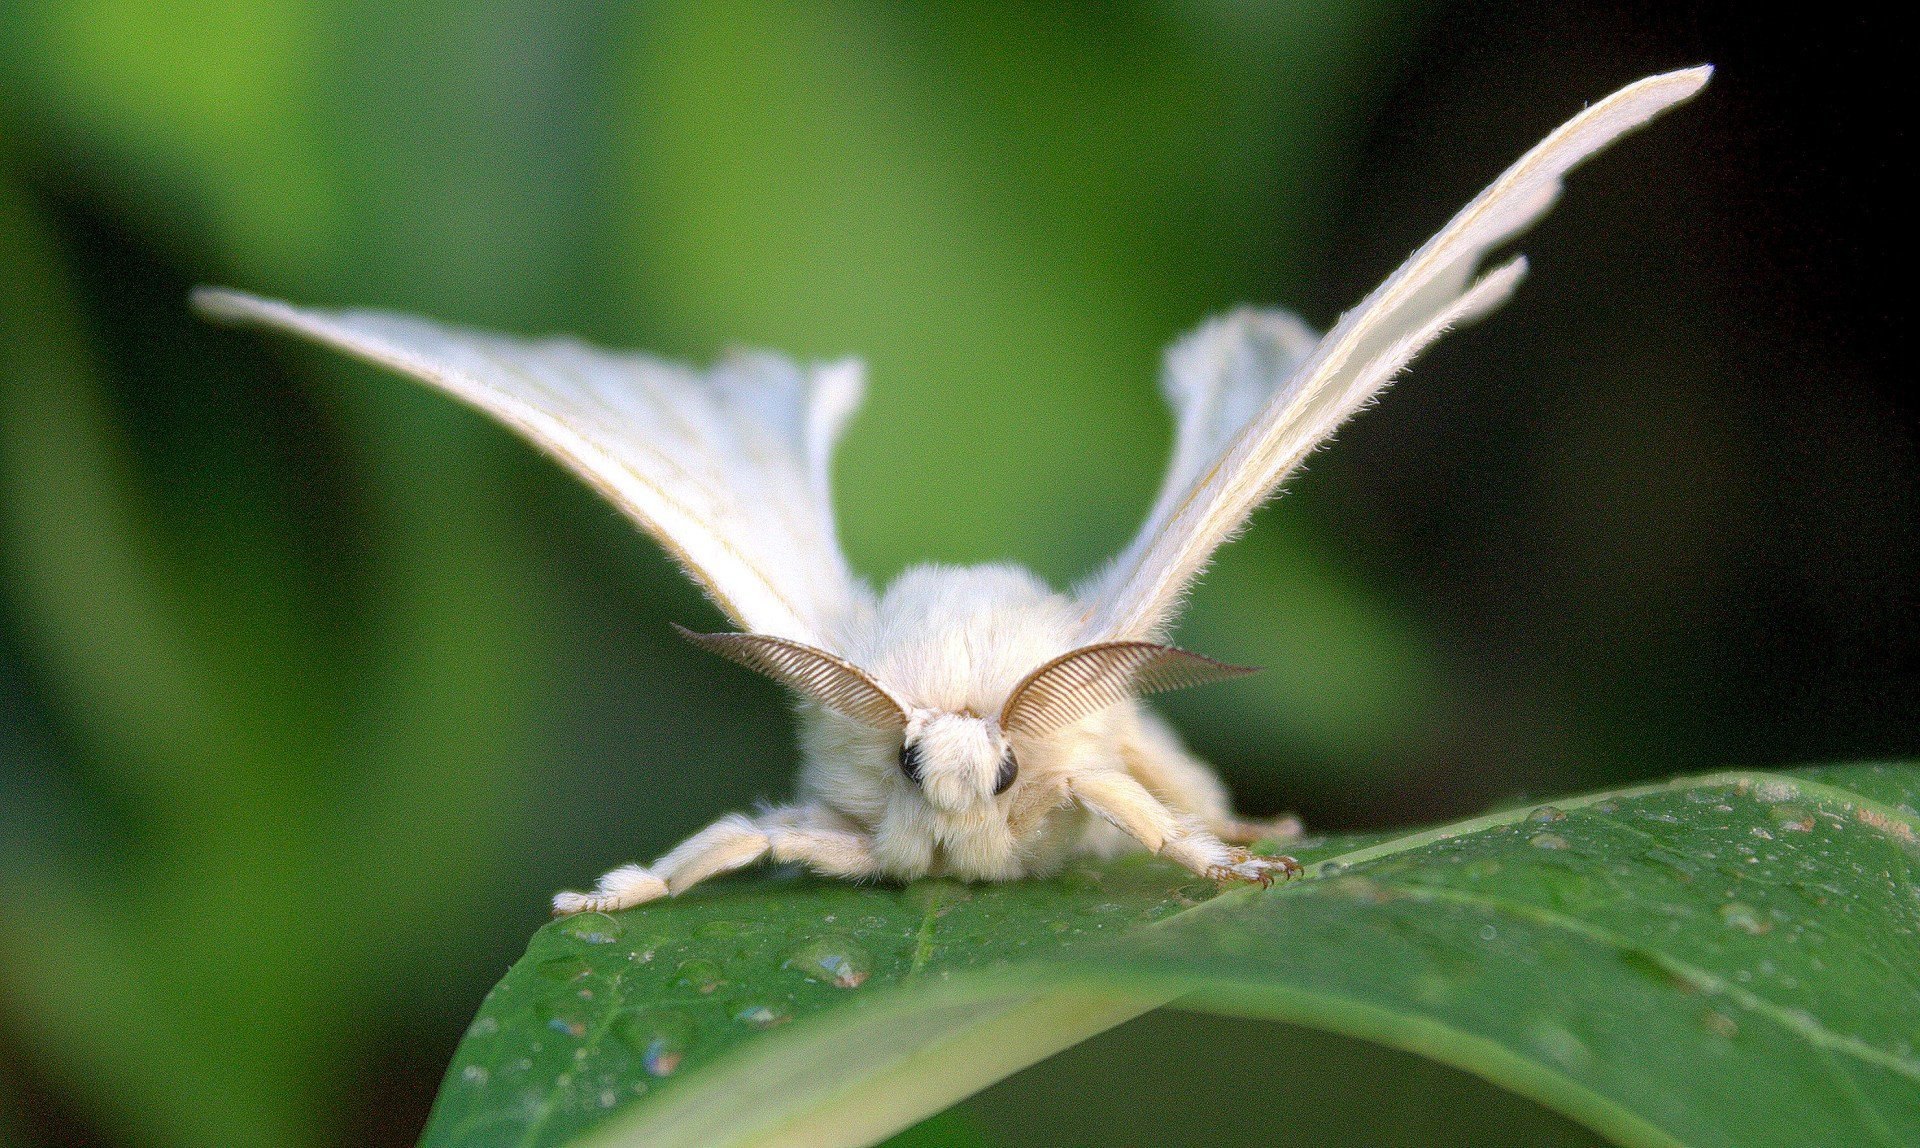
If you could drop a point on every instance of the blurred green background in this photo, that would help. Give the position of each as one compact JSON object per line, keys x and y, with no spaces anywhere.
{"x":314,"y":686}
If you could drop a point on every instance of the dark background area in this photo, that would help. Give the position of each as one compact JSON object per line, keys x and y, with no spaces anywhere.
{"x":313,"y":687}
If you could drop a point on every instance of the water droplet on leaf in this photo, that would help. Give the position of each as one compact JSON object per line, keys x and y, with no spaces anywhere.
{"x":1548,"y":841}
{"x":836,"y":961}
{"x":1558,"y":1043}
{"x":762,"y":1013}
{"x":698,"y":974}
{"x":592,"y":928}
{"x":1744,"y":917}
{"x":1792,"y":818}
{"x":563,"y":1017}
{"x":658,"y":1036}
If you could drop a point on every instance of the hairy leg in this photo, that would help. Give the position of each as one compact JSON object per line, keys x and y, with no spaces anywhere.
{"x":1156,"y":759}
{"x":1183,"y":839}
{"x":811,"y":836}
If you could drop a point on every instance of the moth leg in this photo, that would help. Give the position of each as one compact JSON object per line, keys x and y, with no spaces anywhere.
{"x":623,"y":888}
{"x":1240,"y":831}
{"x":807,"y":834}
{"x":1128,"y":805}
{"x":1155,"y":757}
{"x":733,"y":842}
{"x":727,"y":844}
{"x":802,"y":835}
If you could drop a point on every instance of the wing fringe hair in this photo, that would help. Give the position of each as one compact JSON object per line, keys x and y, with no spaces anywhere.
{"x":1291,"y":393}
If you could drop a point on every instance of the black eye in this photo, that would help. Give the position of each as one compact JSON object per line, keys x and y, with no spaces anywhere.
{"x":910,"y":760}
{"x":1009,"y":769}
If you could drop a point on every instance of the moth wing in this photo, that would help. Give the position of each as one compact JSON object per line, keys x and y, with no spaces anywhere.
{"x":1217,"y":380}
{"x":1204,"y":503}
{"x":726,"y":468}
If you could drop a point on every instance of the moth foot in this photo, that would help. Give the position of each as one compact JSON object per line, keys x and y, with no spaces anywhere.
{"x":623,"y":888}
{"x":1263,"y":871}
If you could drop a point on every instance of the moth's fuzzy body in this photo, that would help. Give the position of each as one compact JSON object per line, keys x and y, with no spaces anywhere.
{"x":952,"y":643}
{"x":971,"y":721}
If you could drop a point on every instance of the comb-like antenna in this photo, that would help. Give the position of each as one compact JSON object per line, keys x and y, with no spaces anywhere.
{"x":1085,"y":681}
{"x":834,"y":682}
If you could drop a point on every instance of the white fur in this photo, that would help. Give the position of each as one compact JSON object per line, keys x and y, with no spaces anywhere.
{"x":728,"y":469}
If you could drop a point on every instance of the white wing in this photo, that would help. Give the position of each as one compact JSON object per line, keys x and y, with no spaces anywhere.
{"x":1224,"y":469}
{"x":728,"y":469}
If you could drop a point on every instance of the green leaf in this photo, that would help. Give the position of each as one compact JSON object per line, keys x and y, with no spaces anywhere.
{"x":1731,"y":959}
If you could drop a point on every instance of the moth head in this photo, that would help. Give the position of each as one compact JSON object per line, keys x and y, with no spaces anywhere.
{"x":1080,"y":683}
{"x":959,"y":760}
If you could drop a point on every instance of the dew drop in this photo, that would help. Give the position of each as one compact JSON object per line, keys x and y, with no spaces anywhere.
{"x":1608,"y":806}
{"x":1546,"y":815}
{"x":832,"y":960}
{"x":761,"y":1013}
{"x":1792,"y":818}
{"x":1719,"y":1024}
{"x":561,"y":1017}
{"x":484,"y":1026}
{"x":1775,"y":790}
{"x":1332,"y":868}
{"x":475,"y":1075}
{"x":658,"y":1036}
{"x":699,"y":974}
{"x":1744,"y":917}
{"x":592,"y":928}
{"x":1558,"y":1043}
{"x":1196,"y":892}
{"x":1548,"y":841}
{"x":1488,"y":933}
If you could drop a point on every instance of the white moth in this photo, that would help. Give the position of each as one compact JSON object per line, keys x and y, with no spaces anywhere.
{"x":969,"y":721}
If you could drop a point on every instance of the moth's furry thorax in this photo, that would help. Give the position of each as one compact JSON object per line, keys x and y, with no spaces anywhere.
{"x":957,"y":639}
